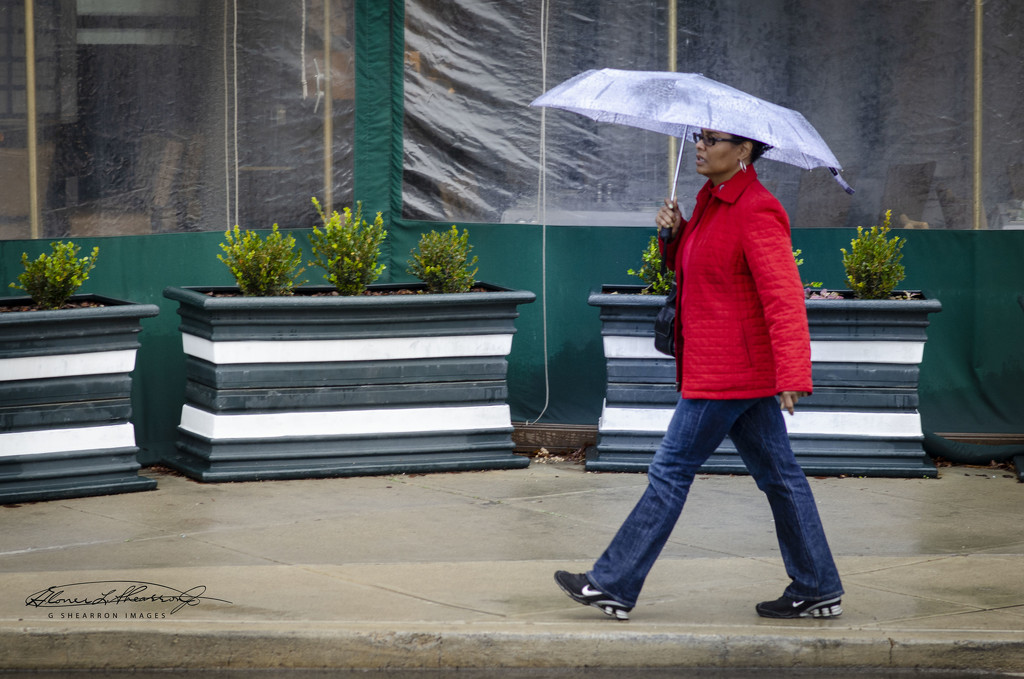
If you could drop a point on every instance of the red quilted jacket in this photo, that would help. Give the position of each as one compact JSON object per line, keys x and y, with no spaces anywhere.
{"x":743,"y":329}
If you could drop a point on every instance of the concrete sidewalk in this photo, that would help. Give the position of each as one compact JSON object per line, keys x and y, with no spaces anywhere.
{"x":455,"y":570}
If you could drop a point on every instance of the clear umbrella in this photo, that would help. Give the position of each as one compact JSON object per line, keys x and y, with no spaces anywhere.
{"x":680,"y":104}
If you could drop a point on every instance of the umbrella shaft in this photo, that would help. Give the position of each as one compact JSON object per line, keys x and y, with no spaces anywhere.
{"x":675,"y":176}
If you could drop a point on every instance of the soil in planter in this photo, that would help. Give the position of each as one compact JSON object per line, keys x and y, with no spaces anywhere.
{"x":821,"y":293}
{"x":299,"y":292}
{"x":34,"y":307}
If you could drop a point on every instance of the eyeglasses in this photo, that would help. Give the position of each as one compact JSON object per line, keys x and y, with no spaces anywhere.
{"x":710,"y":141}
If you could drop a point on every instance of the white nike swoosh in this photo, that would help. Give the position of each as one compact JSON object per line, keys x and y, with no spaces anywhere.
{"x":797,"y":604}
{"x":590,"y":591}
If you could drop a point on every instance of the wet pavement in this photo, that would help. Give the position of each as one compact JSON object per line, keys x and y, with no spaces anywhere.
{"x":439,"y":571}
{"x":507,"y":673}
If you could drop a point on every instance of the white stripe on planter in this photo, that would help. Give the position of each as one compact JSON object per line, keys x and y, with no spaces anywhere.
{"x":825,"y":351}
{"x":853,"y":351}
{"x":827,"y":423}
{"x":344,"y":422}
{"x":67,"y":365}
{"x":621,"y":346}
{"x":62,"y":440}
{"x":316,"y":351}
{"x":635,"y":419}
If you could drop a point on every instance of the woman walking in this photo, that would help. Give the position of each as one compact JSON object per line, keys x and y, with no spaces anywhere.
{"x":741,"y":342}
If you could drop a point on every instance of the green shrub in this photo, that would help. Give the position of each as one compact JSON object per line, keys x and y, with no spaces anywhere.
{"x":261,"y":267}
{"x":657,"y":279}
{"x":50,"y":280}
{"x":348,"y":250}
{"x":442,"y":261}
{"x":808,"y":287}
{"x":873,"y":268}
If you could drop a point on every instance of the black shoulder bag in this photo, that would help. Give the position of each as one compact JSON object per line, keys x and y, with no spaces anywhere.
{"x":665,"y":324}
{"x":665,"y":321}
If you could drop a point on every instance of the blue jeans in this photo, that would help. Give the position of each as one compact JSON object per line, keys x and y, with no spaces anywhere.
{"x":698,"y":426}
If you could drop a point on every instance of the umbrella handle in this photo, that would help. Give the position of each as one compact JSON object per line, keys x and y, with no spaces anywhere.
{"x":679,"y":161}
{"x":665,"y":233}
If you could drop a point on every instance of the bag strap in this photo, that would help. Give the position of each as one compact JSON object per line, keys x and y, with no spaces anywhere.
{"x":663,"y":234}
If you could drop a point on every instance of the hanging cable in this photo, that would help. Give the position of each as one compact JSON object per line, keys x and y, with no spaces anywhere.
{"x":227,"y":125}
{"x":234,"y":63}
{"x":542,"y":202}
{"x":302,"y":53}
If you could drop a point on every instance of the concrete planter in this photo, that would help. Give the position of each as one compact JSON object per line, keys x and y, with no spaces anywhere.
{"x":862,"y":418}
{"x":641,"y":393}
{"x":65,"y":400}
{"x":318,"y":385}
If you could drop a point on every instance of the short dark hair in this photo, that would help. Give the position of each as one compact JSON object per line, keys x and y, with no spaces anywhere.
{"x":759,"y":147}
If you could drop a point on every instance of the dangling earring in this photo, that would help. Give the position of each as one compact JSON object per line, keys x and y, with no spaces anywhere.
{"x":743,"y":166}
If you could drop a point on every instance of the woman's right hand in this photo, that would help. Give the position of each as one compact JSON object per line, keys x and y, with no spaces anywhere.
{"x":669,"y":217}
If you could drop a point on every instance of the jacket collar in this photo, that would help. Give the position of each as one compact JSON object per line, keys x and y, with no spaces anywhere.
{"x":731,"y":190}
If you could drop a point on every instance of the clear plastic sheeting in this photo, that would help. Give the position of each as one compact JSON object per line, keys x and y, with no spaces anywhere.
{"x":472,"y":142}
{"x":155,"y":116}
{"x":889,"y":85}
{"x":158,"y":116}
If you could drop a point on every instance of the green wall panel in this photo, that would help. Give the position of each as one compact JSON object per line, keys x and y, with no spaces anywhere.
{"x":971,"y":375}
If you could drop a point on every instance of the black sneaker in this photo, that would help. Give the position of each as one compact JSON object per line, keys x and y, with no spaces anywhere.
{"x":578,"y":587}
{"x":784,"y":607}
